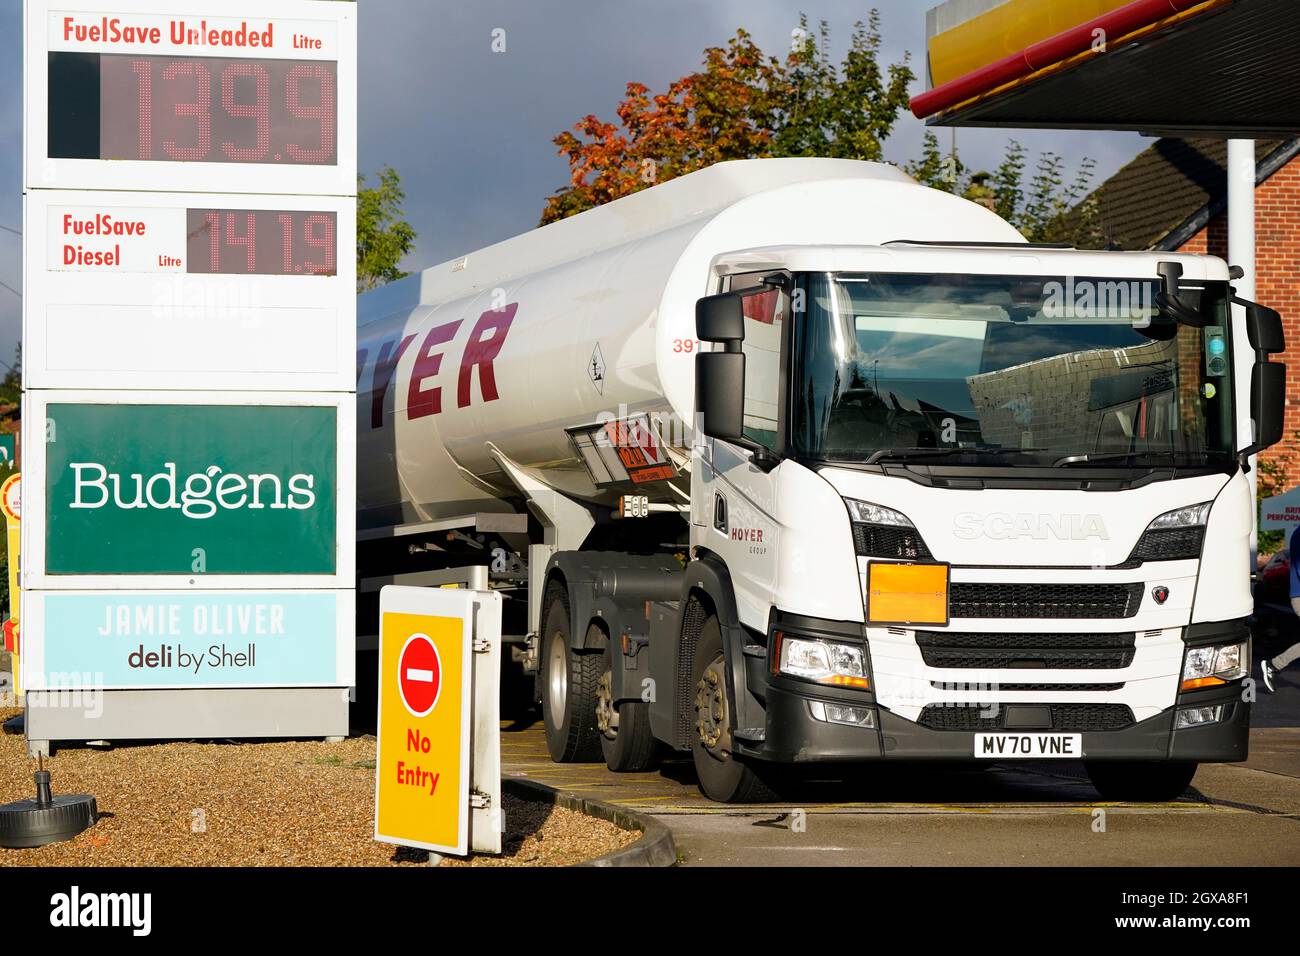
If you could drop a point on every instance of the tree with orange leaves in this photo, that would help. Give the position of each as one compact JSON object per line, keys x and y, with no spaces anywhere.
{"x":742,"y":104}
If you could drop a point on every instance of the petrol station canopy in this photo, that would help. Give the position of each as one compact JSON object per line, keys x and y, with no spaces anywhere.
{"x":1228,"y":68}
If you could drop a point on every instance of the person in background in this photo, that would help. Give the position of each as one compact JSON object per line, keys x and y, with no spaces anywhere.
{"x":1270,"y":666}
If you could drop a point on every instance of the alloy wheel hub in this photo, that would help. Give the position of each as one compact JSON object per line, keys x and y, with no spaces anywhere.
{"x":606,"y":712}
{"x":557,"y":679}
{"x":711,"y":710}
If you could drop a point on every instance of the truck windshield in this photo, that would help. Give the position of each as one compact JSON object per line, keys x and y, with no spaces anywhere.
{"x":1011,"y":371}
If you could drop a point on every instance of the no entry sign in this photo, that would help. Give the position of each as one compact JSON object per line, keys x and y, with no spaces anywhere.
{"x":419,"y":675}
{"x":422,"y":760}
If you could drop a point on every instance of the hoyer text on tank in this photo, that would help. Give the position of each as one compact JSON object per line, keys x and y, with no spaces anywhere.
{"x":423,"y":398}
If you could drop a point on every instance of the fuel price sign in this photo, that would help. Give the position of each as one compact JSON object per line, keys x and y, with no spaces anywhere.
{"x":189,"y":330}
{"x":180,"y":98}
{"x":281,"y":242}
{"x":192,"y":109}
{"x":189,"y":290}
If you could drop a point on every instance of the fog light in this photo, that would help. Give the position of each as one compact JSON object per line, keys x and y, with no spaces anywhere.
{"x":843,"y":714}
{"x":1198,"y":716}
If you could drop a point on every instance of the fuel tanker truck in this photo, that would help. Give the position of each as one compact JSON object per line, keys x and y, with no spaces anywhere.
{"x":795,"y":462}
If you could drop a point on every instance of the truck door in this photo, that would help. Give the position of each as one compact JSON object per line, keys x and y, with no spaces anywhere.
{"x":742,"y":528}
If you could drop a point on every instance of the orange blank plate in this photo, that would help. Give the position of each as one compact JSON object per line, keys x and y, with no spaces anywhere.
{"x":907,"y":593}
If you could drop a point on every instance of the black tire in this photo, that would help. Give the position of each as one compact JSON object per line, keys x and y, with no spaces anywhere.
{"x":569,"y":682}
{"x":627,"y":744}
{"x":1141,"y":780}
{"x":722,"y":776}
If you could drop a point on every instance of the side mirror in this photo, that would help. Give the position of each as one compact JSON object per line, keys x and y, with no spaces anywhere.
{"x":1267,"y":403}
{"x":720,"y":394}
{"x":720,"y":376}
{"x":720,"y":318}
{"x":1267,"y":379}
{"x":1264,"y":329}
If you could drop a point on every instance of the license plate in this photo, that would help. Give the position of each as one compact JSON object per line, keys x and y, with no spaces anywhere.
{"x":1036,"y":745}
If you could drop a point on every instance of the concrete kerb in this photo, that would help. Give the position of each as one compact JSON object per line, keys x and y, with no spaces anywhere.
{"x":654,"y":848}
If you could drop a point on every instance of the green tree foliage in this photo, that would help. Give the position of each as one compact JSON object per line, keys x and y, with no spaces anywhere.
{"x":1050,"y":207}
{"x":935,"y":168}
{"x":844,"y":113}
{"x":1271,"y":480}
{"x":384,"y":237}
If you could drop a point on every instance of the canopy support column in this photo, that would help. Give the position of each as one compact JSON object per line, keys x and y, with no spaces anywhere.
{"x":1241,"y":252}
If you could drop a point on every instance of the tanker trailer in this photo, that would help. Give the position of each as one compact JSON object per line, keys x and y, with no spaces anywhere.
{"x":796,"y":461}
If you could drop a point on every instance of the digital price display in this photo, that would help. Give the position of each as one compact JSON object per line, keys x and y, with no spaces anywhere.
{"x":192,"y":109}
{"x":261,"y":242}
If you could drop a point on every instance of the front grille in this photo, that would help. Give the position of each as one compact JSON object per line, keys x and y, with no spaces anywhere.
{"x":998,"y":650}
{"x":889,"y":541}
{"x":1065,"y":717}
{"x":1172,"y":544}
{"x":1044,"y":600}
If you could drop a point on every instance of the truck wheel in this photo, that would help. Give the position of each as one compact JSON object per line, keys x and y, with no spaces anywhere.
{"x":569,"y":682}
{"x":625,"y":736}
{"x":1126,"y":780}
{"x":723,"y":777}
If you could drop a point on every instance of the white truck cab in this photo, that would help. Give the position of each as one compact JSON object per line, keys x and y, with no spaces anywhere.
{"x":1001,"y":510}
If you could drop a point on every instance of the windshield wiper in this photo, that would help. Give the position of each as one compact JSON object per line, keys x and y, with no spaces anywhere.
{"x":905,"y":453}
{"x":1173,"y":456}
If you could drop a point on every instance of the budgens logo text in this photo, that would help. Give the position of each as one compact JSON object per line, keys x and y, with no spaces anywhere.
{"x":199,"y":495}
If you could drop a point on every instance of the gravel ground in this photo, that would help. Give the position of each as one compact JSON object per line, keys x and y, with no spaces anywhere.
{"x":301,"y":803}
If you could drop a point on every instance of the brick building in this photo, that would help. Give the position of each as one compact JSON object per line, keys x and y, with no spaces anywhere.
{"x":1174,"y":196}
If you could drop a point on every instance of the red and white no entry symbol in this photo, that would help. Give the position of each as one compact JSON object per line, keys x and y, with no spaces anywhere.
{"x":419,"y":674}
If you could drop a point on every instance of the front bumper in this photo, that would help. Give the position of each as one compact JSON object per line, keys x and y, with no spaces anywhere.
{"x":792,"y":735}
{"x":795,"y":736}
{"x":1152,"y":739}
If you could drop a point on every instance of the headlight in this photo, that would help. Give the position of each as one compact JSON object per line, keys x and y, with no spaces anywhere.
{"x":824,"y":662}
{"x":1174,"y":536}
{"x":880,"y":532}
{"x":1188,"y":517}
{"x":866,"y":512}
{"x":1212,"y":666}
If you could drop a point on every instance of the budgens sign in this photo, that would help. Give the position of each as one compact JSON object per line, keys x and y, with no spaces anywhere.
{"x":190,"y":489}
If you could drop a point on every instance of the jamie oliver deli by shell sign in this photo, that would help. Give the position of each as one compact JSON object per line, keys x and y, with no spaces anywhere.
{"x":160,"y":639}
{"x":188,"y":337}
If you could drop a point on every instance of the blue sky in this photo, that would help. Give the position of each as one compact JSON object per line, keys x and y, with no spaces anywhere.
{"x":470,"y":130}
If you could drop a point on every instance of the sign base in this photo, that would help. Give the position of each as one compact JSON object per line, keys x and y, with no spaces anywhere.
{"x":47,"y":819}
{"x":60,"y":715}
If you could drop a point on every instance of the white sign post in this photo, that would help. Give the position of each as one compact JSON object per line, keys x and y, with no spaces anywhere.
{"x":189,"y":330}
